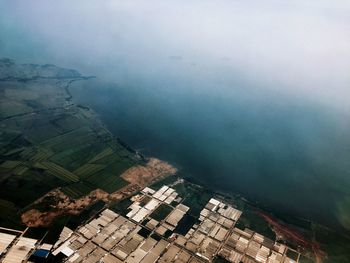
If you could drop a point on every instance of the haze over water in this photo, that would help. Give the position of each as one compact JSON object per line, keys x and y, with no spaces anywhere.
{"x":247,"y":97}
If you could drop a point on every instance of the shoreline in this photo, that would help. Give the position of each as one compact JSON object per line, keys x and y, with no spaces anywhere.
{"x":137,"y":179}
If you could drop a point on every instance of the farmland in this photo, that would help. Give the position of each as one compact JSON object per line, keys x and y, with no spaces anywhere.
{"x":48,"y":142}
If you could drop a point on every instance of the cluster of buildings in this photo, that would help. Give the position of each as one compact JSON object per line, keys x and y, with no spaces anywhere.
{"x":147,"y":233}
{"x":150,"y":201}
{"x":112,"y":238}
{"x":140,"y":236}
{"x":215,"y":222}
{"x":249,"y":246}
{"x":15,"y":248}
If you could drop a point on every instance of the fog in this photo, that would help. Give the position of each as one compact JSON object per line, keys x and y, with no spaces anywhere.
{"x":248,"y":96}
{"x":297,"y":47}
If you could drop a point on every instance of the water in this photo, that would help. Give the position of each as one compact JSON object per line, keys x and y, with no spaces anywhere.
{"x":248,"y":97}
{"x":286,"y":154}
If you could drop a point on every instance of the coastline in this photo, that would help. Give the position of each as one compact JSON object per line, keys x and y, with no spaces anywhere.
{"x":298,"y":224}
{"x":148,"y":171}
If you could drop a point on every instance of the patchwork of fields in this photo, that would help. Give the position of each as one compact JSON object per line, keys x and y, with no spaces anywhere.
{"x":46,"y":141}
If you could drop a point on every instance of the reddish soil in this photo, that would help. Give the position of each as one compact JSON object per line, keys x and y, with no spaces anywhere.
{"x":294,"y":235}
{"x":60,"y":204}
{"x":144,"y":175}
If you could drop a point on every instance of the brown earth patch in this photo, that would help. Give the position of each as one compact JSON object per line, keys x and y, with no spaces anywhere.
{"x":144,"y":175}
{"x":60,"y":204}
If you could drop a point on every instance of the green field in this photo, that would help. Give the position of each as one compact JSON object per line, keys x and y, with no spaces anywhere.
{"x":48,"y":142}
{"x":161,"y":212}
{"x":78,"y":189}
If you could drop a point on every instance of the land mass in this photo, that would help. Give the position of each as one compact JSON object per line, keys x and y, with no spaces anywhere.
{"x":56,"y":157}
{"x":59,"y":161}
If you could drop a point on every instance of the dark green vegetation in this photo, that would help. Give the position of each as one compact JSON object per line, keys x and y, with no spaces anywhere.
{"x":121,"y":207}
{"x":144,"y":232}
{"x":335,"y":245}
{"x":46,"y":141}
{"x":88,"y":213}
{"x":161,"y":212}
{"x":249,"y":219}
{"x":220,"y":260}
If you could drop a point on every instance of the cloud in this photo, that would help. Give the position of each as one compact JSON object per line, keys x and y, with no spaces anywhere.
{"x":296,"y":47}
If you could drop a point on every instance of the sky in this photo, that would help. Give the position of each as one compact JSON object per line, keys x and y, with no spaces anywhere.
{"x":297,"y":47}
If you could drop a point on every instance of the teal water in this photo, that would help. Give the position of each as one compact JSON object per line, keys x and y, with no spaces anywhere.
{"x":288,"y":155}
{"x":246,"y":97}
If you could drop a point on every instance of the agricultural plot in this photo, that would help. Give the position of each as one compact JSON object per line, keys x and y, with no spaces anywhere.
{"x":21,"y":94}
{"x":8,"y":214}
{"x":41,"y":154}
{"x":60,"y":172}
{"x":109,"y":179}
{"x":161,"y":212}
{"x":6,"y":206}
{"x":77,"y":190}
{"x":25,"y":188}
{"x":108,"y":159}
{"x":10,"y":108}
{"x":75,"y":157}
{"x":48,"y":94}
{"x":106,"y":152}
{"x":6,"y":136}
{"x":69,"y":140}
{"x":47,"y":142}
{"x":67,"y":123}
{"x":41,"y":133}
{"x":10,"y":164}
{"x":27,"y":152}
{"x":19,"y":170}
{"x":88,"y":169}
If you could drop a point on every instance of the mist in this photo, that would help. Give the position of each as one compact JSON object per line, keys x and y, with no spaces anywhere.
{"x":247,"y":96}
{"x":298,"y":47}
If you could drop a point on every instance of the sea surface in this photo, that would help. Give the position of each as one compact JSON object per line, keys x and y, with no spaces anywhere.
{"x":287,"y":154}
{"x":247,"y":97}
